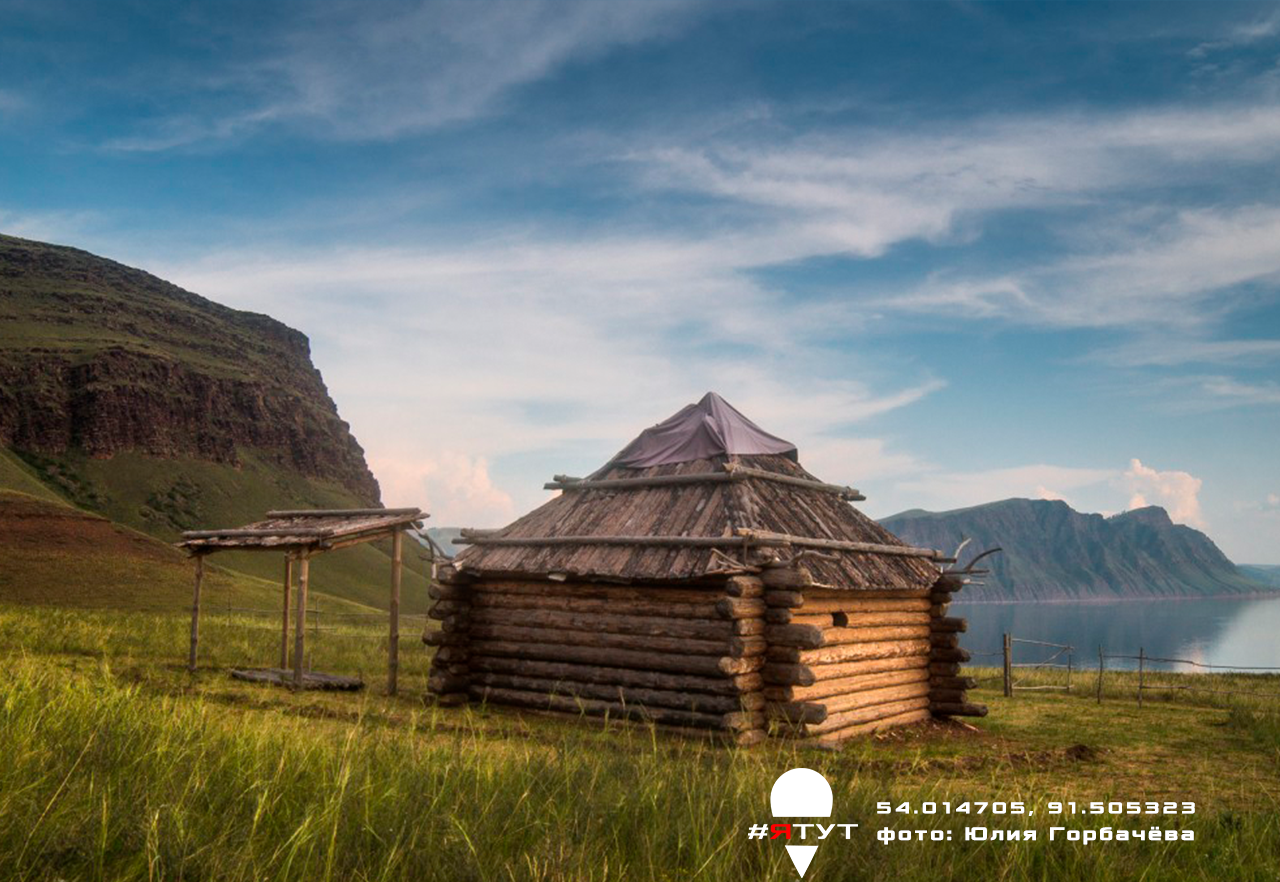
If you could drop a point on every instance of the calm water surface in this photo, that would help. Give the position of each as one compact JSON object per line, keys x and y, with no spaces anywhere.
{"x":1218,"y":632}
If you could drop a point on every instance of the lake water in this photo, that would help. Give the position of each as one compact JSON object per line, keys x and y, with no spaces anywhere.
{"x":1231,"y":631}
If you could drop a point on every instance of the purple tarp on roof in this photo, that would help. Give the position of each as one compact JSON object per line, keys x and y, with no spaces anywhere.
{"x":712,"y":427}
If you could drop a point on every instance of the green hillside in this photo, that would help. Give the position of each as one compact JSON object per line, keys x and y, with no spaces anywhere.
{"x":17,"y":476}
{"x":162,"y":411}
{"x":54,"y":554}
{"x":163,"y":497}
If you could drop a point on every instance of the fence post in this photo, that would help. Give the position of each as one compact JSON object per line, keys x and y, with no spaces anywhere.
{"x":1101,"y":664}
{"x":1069,"y":661}
{"x":1008,"y":665}
{"x":1142,"y":657}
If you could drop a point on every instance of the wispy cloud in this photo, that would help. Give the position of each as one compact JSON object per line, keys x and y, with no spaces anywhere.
{"x":1166,"y":351}
{"x":1229,"y":392}
{"x":617,"y":326}
{"x":940,"y":489}
{"x":605,"y":335}
{"x":1176,"y":273}
{"x":862,"y":193}
{"x":1241,"y":34}
{"x":359,"y":72}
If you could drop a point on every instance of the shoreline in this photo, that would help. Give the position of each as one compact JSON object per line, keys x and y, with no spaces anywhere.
{"x":1272,"y":594}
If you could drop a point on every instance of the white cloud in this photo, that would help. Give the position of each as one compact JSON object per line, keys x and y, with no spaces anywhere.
{"x":362,"y":72}
{"x":48,"y":226}
{"x":1170,"y":350}
{"x":1168,"y":268}
{"x":554,"y":353}
{"x":1240,"y":35}
{"x":948,"y":490}
{"x":452,"y":482}
{"x":866,"y":190}
{"x":1176,"y":492}
{"x":1176,"y":274}
{"x":1227,"y":392}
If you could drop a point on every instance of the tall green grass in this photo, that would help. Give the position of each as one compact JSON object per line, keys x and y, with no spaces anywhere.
{"x":118,"y":765}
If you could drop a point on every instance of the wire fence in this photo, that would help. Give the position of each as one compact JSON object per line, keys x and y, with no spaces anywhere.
{"x":1060,"y":659}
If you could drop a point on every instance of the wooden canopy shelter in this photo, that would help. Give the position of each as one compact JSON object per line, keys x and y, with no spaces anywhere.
{"x":301,"y":535}
{"x":701,"y":583}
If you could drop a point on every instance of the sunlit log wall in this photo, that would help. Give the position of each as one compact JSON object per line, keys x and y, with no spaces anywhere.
{"x":845,"y":663}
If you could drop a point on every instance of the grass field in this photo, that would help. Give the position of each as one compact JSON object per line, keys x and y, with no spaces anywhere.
{"x":119,"y":764}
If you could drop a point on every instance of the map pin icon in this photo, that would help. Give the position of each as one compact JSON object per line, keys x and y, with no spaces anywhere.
{"x":801,"y":793}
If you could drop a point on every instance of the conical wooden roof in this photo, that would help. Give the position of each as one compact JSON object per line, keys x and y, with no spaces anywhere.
{"x":689,"y":520}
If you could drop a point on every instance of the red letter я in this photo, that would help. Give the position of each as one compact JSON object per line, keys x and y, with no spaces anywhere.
{"x":780,"y":830}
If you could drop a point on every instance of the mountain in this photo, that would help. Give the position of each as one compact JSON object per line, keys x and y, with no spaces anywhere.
{"x":444,"y":536}
{"x":1268,"y":575}
{"x":128,"y":397}
{"x":1053,"y":551}
{"x":102,"y":359}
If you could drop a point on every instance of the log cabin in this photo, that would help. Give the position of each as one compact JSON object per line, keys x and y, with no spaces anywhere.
{"x":702,"y":580}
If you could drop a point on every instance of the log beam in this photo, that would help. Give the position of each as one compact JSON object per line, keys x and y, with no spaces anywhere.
{"x":835,"y":722}
{"x":195,"y":613}
{"x":902,"y":719}
{"x":300,"y":623}
{"x":393,"y":646}
{"x":790,"y":673}
{"x":850,"y":652}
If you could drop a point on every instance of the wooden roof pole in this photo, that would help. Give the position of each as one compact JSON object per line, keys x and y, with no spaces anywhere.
{"x":393,"y":648}
{"x":300,"y":623}
{"x":195,"y":613}
{"x":284,"y":623}
{"x":340,"y":512}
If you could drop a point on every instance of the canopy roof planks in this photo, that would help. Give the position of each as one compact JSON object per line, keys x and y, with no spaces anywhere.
{"x":301,"y":534}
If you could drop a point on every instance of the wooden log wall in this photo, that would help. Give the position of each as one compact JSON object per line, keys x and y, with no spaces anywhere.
{"x":842,"y":663}
{"x":450,"y":675}
{"x":685,"y":657}
{"x":947,"y":688}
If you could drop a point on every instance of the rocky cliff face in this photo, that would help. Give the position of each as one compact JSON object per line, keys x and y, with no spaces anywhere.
{"x":101,"y":358}
{"x":1053,"y":551}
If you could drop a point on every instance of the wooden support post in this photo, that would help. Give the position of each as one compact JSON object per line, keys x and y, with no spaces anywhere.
{"x":284,"y":620}
{"x":1142,"y":657}
{"x":1008,"y":665}
{"x":393,"y":648}
{"x":1101,"y":664}
{"x":300,"y":623}
{"x":195,"y":613}
{"x":1069,"y":665}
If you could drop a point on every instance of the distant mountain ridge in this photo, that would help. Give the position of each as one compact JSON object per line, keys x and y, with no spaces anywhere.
{"x":1053,"y":551}
{"x":1268,"y":575}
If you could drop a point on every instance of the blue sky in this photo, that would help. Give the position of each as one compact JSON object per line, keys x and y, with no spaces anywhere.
{"x":956,"y":252}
